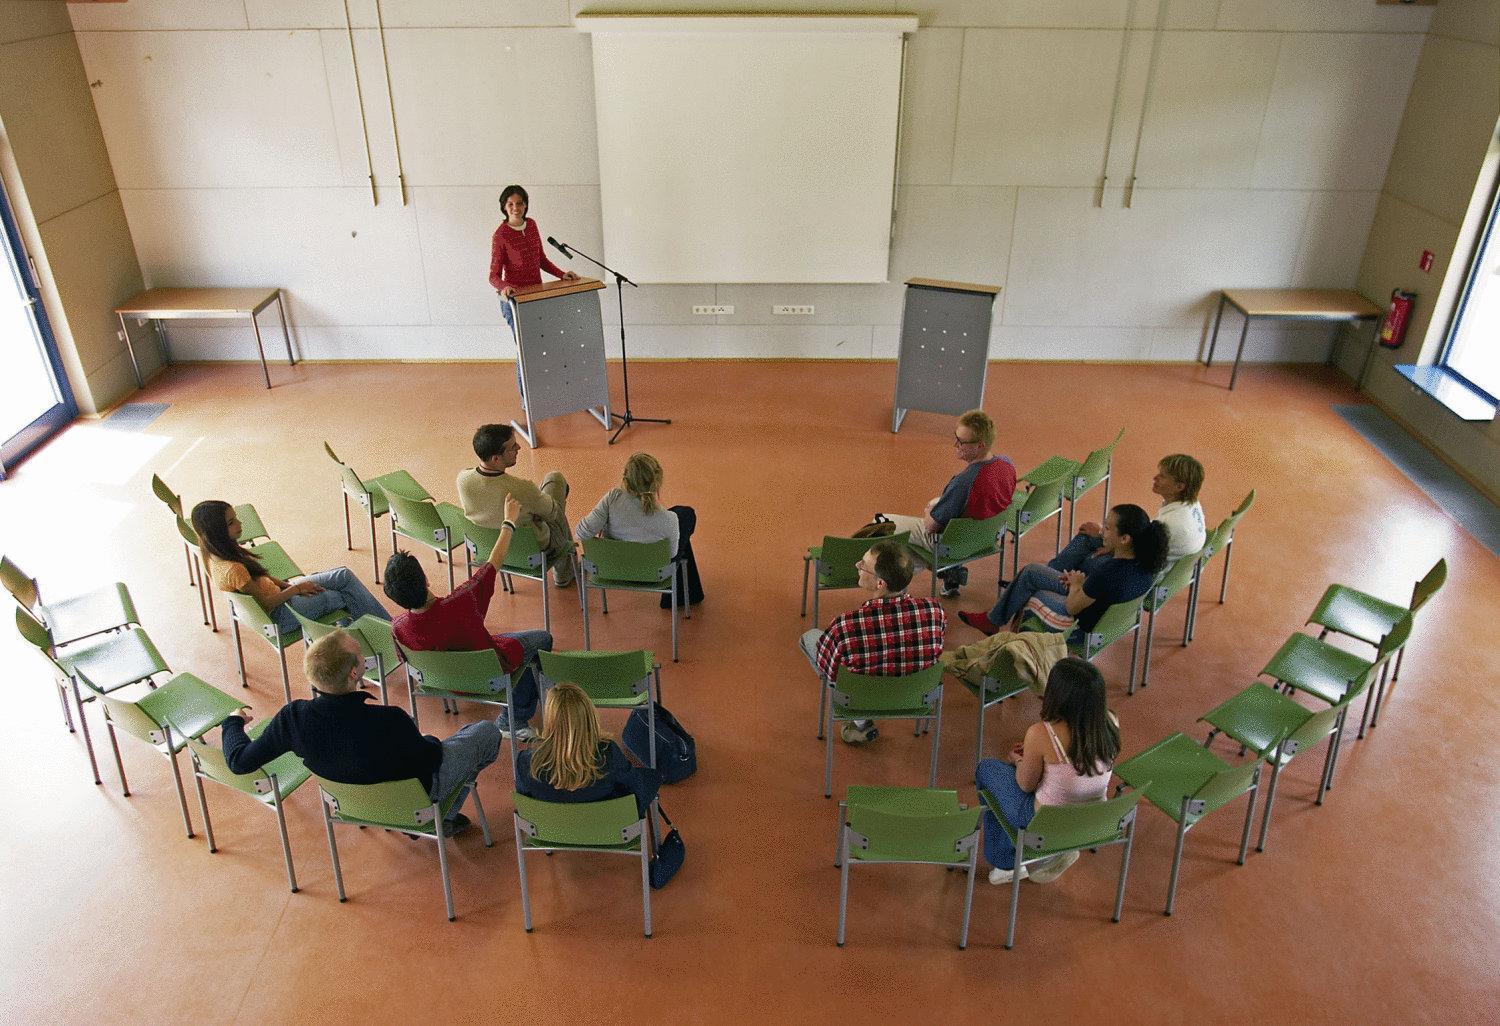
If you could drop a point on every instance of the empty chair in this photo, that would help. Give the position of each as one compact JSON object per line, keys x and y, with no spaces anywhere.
{"x":1178,"y":576}
{"x":525,"y":558}
{"x":371,"y":494}
{"x":439,"y":527}
{"x":1364,"y":617}
{"x":97,"y":611}
{"x":1329,"y":673}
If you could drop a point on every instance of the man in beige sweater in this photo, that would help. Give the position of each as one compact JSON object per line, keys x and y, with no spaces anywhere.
{"x":482,"y":493}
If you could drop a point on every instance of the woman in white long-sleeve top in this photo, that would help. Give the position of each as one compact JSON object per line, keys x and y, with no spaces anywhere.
{"x":633,"y":512}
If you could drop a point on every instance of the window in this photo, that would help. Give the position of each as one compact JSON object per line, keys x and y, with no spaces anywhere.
{"x":1473,"y":348}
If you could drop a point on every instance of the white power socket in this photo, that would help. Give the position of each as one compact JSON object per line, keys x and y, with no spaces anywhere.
{"x":713,"y":311}
{"x":797,"y":311}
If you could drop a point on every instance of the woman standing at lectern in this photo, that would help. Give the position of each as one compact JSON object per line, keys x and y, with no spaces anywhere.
{"x":517,"y":260}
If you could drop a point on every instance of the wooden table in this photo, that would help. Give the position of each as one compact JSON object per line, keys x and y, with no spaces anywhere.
{"x":1333,"y":305}
{"x":202,"y":304}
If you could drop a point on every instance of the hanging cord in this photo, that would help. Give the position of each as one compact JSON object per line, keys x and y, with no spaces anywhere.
{"x":385,"y":59}
{"x":359,"y":96}
{"x":1114,"y":111}
{"x":1140,"y":128}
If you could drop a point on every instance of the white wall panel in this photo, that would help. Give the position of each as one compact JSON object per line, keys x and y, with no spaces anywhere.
{"x":1322,"y":16}
{"x":158,"y":14}
{"x":340,"y":261}
{"x":652,"y":304}
{"x":1034,"y":106}
{"x":26,"y":19}
{"x":1335,"y":107}
{"x":958,"y":233}
{"x":408,"y":13}
{"x":929,"y":106}
{"x":1181,"y":14}
{"x":833,"y":304}
{"x":741,"y":6}
{"x":1207,"y":103}
{"x":1333,"y":239}
{"x":198,"y":109}
{"x":1155,"y":264}
{"x":1477,"y":21}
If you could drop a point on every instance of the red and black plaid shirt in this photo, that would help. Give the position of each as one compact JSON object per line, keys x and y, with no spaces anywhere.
{"x":886,"y":637}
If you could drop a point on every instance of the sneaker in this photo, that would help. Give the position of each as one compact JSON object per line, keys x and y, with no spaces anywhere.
{"x":503,"y":722}
{"x":999,"y":877}
{"x":949,"y":589}
{"x":457,"y":825}
{"x":979,"y":621}
{"x":855,"y":734}
{"x":563,"y":585}
{"x":1050,"y":869}
{"x":523,"y":734}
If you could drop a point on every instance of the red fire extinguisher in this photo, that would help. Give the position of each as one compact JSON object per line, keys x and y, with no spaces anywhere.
{"x":1393,"y":325}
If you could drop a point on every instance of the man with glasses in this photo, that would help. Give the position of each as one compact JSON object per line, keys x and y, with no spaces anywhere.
{"x":981,"y":490}
{"x":890,"y":635}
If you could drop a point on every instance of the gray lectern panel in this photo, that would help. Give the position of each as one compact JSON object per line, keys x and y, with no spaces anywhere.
{"x":945,"y":348}
{"x":562,"y":355}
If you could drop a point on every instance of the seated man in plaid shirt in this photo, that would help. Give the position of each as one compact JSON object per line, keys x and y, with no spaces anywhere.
{"x":890,"y":635}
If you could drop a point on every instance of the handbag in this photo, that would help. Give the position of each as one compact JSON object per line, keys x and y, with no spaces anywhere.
{"x":880,"y":527}
{"x":676,"y":751}
{"x":670,"y":851}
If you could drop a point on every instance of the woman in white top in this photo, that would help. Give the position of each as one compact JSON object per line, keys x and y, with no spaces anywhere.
{"x":1178,"y":478}
{"x":1064,"y":759}
{"x":633,"y":512}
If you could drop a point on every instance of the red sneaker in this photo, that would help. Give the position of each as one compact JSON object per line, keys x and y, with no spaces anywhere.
{"x":979,"y":621}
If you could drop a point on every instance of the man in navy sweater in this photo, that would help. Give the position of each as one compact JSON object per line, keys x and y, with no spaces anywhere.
{"x":343,"y":737}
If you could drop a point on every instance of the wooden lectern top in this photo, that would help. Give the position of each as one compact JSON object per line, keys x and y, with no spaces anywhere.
{"x":957,"y":286}
{"x":549,"y":289}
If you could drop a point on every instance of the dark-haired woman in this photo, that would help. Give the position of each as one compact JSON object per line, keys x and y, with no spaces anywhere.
{"x":232,"y":567}
{"x":1064,"y":759}
{"x":517,"y":259}
{"x":1132,"y":553}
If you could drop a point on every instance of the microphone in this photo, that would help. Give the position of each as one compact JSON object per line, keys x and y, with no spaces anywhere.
{"x":561,"y":247}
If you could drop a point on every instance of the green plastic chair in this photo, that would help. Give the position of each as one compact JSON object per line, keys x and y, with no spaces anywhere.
{"x":455,"y":677}
{"x":271,"y":556}
{"x":1001,"y":682}
{"x":1174,"y":579}
{"x":965,"y":541}
{"x":525,"y":558}
{"x":371,"y":494}
{"x":1275,"y":728}
{"x":377,"y":645}
{"x":399,"y":805}
{"x":1097,"y":468}
{"x":247,"y":610}
{"x":609,"y":564}
{"x":436,"y":526}
{"x":1059,"y":829}
{"x":110,"y":662}
{"x":861,"y":696}
{"x":909,"y":826}
{"x":1187,"y":782}
{"x":1040,"y":504}
{"x":270,"y":786}
{"x":1364,"y":617}
{"x":613,"y":827}
{"x":250,"y":522}
{"x":834,"y":562}
{"x":1118,"y":620}
{"x":1329,"y":673}
{"x":1221,"y":540}
{"x":184,"y":707}
{"x":612,"y":680}
{"x":99,"y":611}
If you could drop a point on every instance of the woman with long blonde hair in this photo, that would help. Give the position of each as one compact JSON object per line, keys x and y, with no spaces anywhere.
{"x":571,"y":760}
{"x":633,"y":512}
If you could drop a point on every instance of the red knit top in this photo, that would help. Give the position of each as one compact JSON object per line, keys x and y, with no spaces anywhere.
{"x":516,"y":258}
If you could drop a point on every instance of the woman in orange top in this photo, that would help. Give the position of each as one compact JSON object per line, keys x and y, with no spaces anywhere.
{"x":235,"y":568}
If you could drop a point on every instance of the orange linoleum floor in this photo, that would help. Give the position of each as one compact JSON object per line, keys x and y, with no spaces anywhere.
{"x":1382,"y":905}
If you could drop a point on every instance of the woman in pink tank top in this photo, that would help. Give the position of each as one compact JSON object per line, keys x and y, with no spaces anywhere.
{"x":1065,"y":758}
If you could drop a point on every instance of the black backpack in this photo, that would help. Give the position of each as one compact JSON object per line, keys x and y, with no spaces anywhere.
{"x":676,"y":751}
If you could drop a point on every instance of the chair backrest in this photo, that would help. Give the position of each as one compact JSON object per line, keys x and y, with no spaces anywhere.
{"x":248,"y":611}
{"x":1222,"y":788}
{"x":1044,"y":499}
{"x":1244,"y":507}
{"x":402,"y":804}
{"x":350,"y":480}
{"x":376,"y":637}
{"x":188,"y":532}
{"x":963,"y":537}
{"x":1399,"y":635}
{"x":1176,"y":577}
{"x":607,"y":824}
{"x":34,"y":631}
{"x":1314,"y":729}
{"x":172,"y":500}
{"x":1081,"y":825}
{"x":418,"y":520}
{"x":837,"y":556}
{"x":604,"y":676}
{"x":869,"y":693}
{"x":467,"y":673}
{"x":130,"y":717}
{"x":1430,"y":585}
{"x":1095,"y":467}
{"x":524,"y":552}
{"x":1117,"y":620}
{"x":943,"y":837}
{"x":643,"y":562}
{"x":21,"y":587}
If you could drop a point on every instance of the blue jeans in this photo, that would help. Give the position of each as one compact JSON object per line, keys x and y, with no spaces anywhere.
{"x":341,"y":590}
{"x":1034,"y":581}
{"x":999,"y":779}
{"x":1078,"y":554}
{"x":523,"y":693}
{"x":467,"y":752}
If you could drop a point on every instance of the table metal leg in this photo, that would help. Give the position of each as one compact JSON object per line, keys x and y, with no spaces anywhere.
{"x":1213,"y":336}
{"x":260,"y":346}
{"x":1239,"y":352}
{"x":1369,"y":353}
{"x":139,"y":381}
{"x":286,"y":335}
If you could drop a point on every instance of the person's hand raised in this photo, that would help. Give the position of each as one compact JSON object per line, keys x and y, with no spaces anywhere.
{"x":512,"y":508}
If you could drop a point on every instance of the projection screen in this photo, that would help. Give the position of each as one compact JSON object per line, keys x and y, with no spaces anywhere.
{"x":737,"y":149}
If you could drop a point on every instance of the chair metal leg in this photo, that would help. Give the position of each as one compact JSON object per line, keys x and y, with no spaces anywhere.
{"x":963,"y":933}
{"x":843,"y":857}
{"x":583,"y":593}
{"x":822,"y":705}
{"x":348,"y":532}
{"x":838,"y":836}
{"x":442,"y":847}
{"x":119,"y":766}
{"x":828,"y":743}
{"x":1224,"y":582}
{"x":1338,"y":747}
{"x":1135,"y":646}
{"x":333,"y":852}
{"x":449,"y":561}
{"x":484,"y":823}
{"x":286,"y":681}
{"x":1265,"y":816}
{"x":1379,"y":696}
{"x":239,"y":648}
{"x":202,"y":593}
{"x":1015,"y":899}
{"x":806,"y":566}
{"x":286,"y":844}
{"x":546,"y":601}
{"x":1327,"y":769}
{"x":208,"y":823}
{"x":88,"y":742}
{"x":1146,"y":663}
{"x":374,"y":547}
{"x":1400,"y":655}
{"x":674,"y":621}
{"x":187,"y":822}
{"x":937,"y":735}
{"x":411,"y":699}
{"x":651,"y":725}
{"x":816,"y":593}
{"x":679,"y":585}
{"x":1124,"y":870}
{"x":1250,"y":797}
{"x":521,"y":870}
{"x":62,"y":699}
{"x":1364,"y":716}
{"x":604,"y":601}
{"x":979,"y":730}
{"x":1182,"y":829}
{"x":187,"y":556}
{"x":646,"y":881}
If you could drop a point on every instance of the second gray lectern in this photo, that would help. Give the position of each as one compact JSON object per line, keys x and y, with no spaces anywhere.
{"x":560,"y":351}
{"x":945,"y":347}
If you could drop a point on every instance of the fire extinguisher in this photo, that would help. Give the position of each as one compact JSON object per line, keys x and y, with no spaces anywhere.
{"x":1393,"y":325}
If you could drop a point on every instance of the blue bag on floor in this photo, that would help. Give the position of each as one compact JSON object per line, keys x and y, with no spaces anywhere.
{"x":676,"y":751}
{"x":670,"y":853}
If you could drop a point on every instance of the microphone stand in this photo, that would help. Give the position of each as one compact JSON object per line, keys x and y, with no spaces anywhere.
{"x":627,"y":418}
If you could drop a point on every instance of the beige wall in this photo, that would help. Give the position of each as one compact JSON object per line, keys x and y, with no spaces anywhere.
{"x":58,"y":174}
{"x":1428,"y":203}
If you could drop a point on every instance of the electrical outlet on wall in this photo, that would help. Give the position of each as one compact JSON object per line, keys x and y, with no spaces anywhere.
{"x":718,"y":310}
{"x":796,"y":311}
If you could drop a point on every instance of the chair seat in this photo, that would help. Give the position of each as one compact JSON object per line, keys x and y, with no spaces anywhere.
{"x":1316,"y":667}
{"x":289,"y":770}
{"x":900,"y":845}
{"x":113,"y":662}
{"x":274,"y":560}
{"x":633,"y":845}
{"x":94,"y":612}
{"x":998,"y":692}
{"x":1176,"y":768}
{"x":615,"y":584}
{"x":1356,"y":614}
{"x":912,"y":801}
{"x":1260,"y":718}
{"x":908,"y":712}
{"x":192,"y":705}
{"x":398,"y":481}
{"x":251,"y":527}
{"x":1050,"y":470}
{"x":926,"y":557}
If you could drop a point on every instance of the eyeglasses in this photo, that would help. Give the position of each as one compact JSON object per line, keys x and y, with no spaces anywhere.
{"x":965,"y":441}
